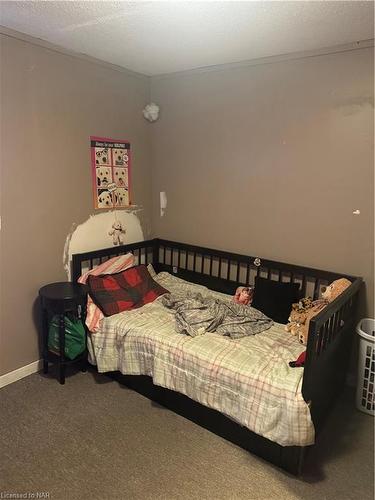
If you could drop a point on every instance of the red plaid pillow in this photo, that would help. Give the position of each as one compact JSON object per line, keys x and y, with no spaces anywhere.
{"x":123,"y":291}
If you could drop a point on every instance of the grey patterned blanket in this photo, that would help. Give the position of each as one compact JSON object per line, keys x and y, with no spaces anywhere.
{"x":196,"y":315}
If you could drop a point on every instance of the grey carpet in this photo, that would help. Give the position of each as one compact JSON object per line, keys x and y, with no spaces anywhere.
{"x":94,"y":439}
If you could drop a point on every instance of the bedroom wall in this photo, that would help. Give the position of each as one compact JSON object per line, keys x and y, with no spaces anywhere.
{"x":272,"y":160}
{"x":51,"y":103}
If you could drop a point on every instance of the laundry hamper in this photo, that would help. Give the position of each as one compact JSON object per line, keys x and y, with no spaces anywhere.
{"x":366,"y":366}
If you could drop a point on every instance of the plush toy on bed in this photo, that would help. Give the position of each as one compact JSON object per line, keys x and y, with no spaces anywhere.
{"x":302,"y":328}
{"x":300,"y":361}
{"x":116,"y":232}
{"x":299,"y":319}
{"x":298,"y":315}
{"x":301,"y":314}
{"x":335,"y":289}
{"x":244,"y":295}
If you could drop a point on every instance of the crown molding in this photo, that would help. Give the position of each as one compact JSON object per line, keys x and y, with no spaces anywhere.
{"x":337,"y":49}
{"x":70,"y":53}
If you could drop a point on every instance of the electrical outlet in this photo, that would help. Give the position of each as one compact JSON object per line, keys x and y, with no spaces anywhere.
{"x":174,"y":269}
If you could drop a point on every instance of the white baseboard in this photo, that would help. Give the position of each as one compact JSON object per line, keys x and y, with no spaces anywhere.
{"x":22,"y":372}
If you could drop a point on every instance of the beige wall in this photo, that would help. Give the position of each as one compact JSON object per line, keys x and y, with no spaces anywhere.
{"x":51,"y":103}
{"x":271,"y":160}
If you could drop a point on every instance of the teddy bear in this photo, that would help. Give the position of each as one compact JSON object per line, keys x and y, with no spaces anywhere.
{"x":243,"y":295}
{"x":296,"y":319}
{"x":305,"y":310}
{"x":335,"y":289}
{"x":116,"y":232}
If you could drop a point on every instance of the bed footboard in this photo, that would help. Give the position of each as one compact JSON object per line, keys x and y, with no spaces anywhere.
{"x":328,"y":352}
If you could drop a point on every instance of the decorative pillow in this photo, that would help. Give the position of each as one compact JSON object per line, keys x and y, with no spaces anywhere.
{"x":123,"y":291}
{"x":274,"y":298}
{"x":93,"y":314}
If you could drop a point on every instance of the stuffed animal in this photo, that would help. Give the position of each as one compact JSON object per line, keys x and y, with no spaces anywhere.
{"x":335,"y":289}
{"x":243,"y":295}
{"x":300,"y":361}
{"x":116,"y":232}
{"x":306,"y":309}
{"x":303,"y":329}
{"x":296,"y":319}
{"x":298,"y":315}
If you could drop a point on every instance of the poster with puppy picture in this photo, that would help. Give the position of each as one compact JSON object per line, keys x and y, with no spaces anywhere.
{"x":110,"y":166}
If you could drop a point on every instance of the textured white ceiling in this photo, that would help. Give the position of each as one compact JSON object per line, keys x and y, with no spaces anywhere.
{"x":163,"y":37}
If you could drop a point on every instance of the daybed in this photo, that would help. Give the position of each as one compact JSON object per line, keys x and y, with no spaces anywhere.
{"x":328,"y":347}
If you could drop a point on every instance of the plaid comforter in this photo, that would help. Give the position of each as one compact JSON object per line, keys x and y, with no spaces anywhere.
{"x":196,"y":315}
{"x":247,"y":379}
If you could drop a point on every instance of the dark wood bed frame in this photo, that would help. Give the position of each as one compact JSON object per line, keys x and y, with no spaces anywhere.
{"x":328,"y":348}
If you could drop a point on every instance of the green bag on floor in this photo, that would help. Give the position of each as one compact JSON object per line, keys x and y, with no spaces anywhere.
{"x":75,"y":336}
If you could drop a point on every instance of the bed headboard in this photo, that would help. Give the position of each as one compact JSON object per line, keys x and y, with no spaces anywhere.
{"x":142,"y":250}
{"x":224,"y":271}
{"x":220,"y":270}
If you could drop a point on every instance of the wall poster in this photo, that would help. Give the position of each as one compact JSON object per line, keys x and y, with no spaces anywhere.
{"x":110,"y":166}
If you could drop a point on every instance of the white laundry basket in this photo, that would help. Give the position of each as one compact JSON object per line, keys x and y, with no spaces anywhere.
{"x":366,"y":366}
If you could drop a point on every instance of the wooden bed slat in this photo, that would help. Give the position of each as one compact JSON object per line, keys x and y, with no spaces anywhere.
{"x":248,"y":274}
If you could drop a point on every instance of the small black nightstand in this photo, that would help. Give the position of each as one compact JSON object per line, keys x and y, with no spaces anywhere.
{"x":59,"y":299}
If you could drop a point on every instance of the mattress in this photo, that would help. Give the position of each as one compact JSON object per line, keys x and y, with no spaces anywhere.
{"x":248,"y":379}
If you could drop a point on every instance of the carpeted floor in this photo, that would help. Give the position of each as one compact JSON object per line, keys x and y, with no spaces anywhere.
{"x":94,"y":439}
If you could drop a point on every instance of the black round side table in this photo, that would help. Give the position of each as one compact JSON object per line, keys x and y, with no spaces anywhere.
{"x":57,"y":299}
